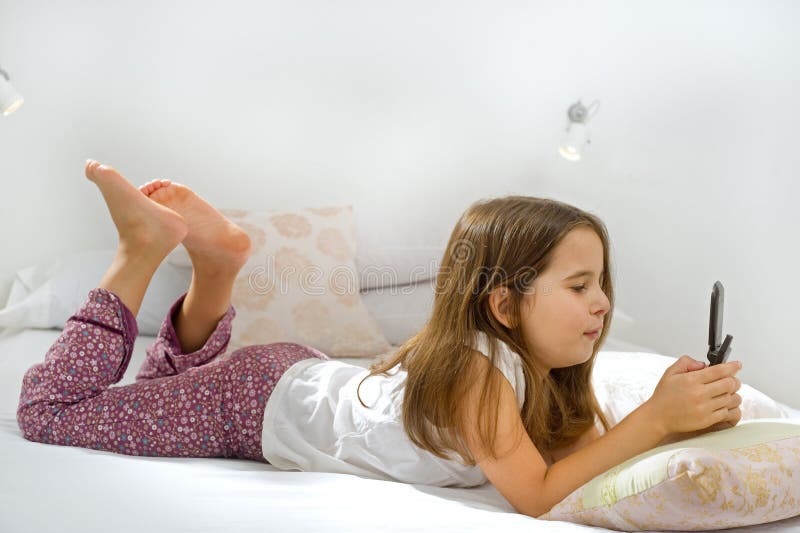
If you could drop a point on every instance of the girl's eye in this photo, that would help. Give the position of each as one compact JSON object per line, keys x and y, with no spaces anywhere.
{"x":579,"y":289}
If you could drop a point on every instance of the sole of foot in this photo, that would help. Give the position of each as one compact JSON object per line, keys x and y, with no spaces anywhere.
{"x":143,"y":225}
{"x":213,"y":242}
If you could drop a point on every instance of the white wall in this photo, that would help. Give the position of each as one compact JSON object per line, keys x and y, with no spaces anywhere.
{"x":412,"y":110}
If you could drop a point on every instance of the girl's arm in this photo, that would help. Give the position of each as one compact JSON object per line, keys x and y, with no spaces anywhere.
{"x":518,"y":470}
{"x":637,"y":433}
{"x":677,"y":437}
{"x":594,"y":434}
{"x":587,"y":438}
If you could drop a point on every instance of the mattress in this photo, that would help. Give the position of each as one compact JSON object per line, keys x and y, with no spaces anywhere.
{"x":59,"y":488}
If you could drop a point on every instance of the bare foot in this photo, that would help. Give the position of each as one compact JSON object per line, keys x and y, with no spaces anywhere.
{"x":152,"y":185}
{"x":143,"y":225}
{"x":214,"y":243}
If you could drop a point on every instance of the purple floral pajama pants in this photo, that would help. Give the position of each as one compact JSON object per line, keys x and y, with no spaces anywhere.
{"x":182,"y":405}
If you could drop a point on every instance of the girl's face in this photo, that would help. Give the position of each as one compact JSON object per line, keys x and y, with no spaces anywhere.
{"x":566,"y":302}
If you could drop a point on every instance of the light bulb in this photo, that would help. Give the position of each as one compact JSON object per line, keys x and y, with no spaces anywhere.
{"x":572,"y":145}
{"x":10,"y":99}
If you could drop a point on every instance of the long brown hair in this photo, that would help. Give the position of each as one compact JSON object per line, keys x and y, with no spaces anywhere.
{"x":497,"y":242}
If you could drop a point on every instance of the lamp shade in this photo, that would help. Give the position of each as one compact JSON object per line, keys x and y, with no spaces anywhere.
{"x":572,"y":145}
{"x":10,"y":99}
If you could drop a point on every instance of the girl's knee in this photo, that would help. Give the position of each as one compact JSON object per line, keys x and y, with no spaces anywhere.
{"x":31,"y":420}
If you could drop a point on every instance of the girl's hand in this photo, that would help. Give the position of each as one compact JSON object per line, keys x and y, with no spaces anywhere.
{"x":735,"y":415}
{"x":691,"y":398}
{"x":677,"y":437}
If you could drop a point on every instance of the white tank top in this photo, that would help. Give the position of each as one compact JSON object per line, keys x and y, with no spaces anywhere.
{"x":314,"y":422}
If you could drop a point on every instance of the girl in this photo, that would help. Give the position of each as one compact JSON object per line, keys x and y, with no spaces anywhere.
{"x":496,"y":386}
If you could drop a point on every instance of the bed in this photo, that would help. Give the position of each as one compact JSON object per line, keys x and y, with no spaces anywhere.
{"x":60,"y":488}
{"x":57,"y":488}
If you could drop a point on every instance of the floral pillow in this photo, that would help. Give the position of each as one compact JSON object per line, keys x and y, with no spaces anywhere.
{"x":744,"y":475}
{"x":300,"y":283}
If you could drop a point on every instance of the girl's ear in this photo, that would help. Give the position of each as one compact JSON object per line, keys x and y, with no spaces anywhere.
{"x":498,"y":304}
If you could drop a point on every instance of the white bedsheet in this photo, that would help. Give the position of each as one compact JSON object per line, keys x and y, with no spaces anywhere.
{"x":59,"y":488}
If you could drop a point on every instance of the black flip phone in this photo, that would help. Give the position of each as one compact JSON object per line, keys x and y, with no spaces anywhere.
{"x":717,"y":353}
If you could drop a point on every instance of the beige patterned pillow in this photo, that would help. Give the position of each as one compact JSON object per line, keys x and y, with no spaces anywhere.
{"x":747,"y":474}
{"x":300,"y":283}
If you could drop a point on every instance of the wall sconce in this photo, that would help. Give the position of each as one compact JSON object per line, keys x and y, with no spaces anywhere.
{"x":10,"y":100}
{"x":577,"y":136}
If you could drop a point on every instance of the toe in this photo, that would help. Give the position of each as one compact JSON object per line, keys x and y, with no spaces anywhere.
{"x":151,"y":186}
{"x":105,"y":169}
{"x":110,"y":173}
{"x":91,"y":164}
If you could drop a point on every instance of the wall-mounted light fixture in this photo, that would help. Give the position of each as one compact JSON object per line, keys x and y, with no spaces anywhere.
{"x":577,"y":136}
{"x":10,"y":100}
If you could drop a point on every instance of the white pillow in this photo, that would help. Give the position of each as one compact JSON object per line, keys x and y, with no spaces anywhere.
{"x":400,"y":311}
{"x":47,"y":294}
{"x":625,"y":380}
{"x":390,"y":266}
{"x":397,"y":265}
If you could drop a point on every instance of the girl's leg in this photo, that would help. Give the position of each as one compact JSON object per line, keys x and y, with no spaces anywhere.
{"x":147,"y":232}
{"x":215,"y":410}
{"x":197,"y":327}
{"x":217,"y":247}
{"x":68,"y":400}
{"x":204,"y":305}
{"x":95,"y":346}
{"x":166,"y":357}
{"x":131,"y":271}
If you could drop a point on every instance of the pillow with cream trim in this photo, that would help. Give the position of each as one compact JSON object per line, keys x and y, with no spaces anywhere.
{"x":300,"y":284}
{"x":734,"y":477}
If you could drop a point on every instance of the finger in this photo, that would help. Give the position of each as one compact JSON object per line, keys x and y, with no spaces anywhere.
{"x":716,"y":372}
{"x":723,"y":415}
{"x":736,"y":401}
{"x":726,"y":385}
{"x":731,"y":401}
{"x":722,"y":401}
{"x":683,"y":365}
{"x":732,"y":414}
